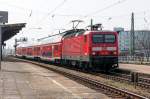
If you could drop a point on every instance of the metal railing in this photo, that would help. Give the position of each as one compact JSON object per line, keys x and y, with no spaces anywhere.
{"x":134,"y":59}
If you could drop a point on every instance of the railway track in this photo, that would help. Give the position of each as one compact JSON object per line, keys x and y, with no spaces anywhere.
{"x":145,"y":75}
{"x":90,"y":82}
{"x":142,"y":81}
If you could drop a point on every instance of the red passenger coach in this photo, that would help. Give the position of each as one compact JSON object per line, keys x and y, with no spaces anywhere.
{"x":50,"y":48}
{"x":51,"y":52}
{"x":19,"y":51}
{"x":36,"y":51}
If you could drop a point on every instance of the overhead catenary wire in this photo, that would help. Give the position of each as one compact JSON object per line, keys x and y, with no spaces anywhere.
{"x":93,"y":13}
{"x":105,"y":8}
{"x":71,"y":15}
{"x":56,"y":8}
{"x":100,"y":16}
{"x":22,"y":8}
{"x":84,"y":16}
{"x":43,"y":18}
{"x":31,"y":11}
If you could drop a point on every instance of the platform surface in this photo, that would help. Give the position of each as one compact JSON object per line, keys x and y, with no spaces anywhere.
{"x":136,"y":68}
{"x":19,"y":80}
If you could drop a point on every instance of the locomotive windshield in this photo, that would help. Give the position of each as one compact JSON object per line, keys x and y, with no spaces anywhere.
{"x":103,"y":38}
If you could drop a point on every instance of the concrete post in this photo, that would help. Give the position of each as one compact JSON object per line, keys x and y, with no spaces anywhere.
{"x":132,"y":38}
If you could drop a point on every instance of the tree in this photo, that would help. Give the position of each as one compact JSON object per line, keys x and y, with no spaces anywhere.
{"x":143,"y":43}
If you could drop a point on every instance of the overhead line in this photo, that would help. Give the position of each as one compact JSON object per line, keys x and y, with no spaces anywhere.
{"x":121,"y":15}
{"x":58,"y":6}
{"x":100,"y":10}
{"x":107,"y":7}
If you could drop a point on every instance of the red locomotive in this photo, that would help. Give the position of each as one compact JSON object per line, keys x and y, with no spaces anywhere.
{"x":93,"y":50}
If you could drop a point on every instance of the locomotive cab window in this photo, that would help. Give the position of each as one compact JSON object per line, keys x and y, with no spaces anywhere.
{"x":110,"y":38}
{"x":98,"y":38}
{"x":104,"y":38}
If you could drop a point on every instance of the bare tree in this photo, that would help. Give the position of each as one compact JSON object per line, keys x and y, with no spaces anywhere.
{"x":143,"y":44}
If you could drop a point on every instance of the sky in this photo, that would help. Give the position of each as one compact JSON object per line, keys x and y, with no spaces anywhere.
{"x":45,"y":17}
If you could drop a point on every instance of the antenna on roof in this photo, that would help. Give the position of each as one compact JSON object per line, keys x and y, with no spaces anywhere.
{"x":77,"y":23}
{"x":95,"y":27}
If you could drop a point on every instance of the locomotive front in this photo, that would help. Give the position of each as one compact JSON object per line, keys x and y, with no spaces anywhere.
{"x":104,"y":50}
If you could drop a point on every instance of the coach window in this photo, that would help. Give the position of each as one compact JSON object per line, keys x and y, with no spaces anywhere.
{"x":49,"y":54}
{"x":38,"y":48}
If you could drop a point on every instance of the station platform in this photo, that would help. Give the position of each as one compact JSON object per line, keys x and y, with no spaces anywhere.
{"x":19,"y":80}
{"x":136,"y":68}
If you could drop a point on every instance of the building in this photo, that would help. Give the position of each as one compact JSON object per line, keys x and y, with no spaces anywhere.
{"x":141,"y":42}
{"x":124,"y":41}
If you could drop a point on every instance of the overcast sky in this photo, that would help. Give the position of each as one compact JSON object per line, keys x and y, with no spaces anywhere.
{"x":50,"y":15}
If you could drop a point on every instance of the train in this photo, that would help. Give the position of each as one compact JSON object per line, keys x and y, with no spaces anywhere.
{"x":80,"y":48}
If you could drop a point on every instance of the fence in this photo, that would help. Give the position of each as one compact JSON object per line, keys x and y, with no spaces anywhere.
{"x":134,"y":59}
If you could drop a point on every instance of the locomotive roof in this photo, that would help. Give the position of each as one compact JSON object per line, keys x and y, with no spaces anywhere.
{"x":75,"y":32}
{"x":87,"y":32}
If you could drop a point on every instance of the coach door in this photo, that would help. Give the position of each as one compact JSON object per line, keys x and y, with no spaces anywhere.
{"x":52,"y":51}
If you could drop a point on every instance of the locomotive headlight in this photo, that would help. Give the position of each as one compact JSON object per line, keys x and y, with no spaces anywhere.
{"x":85,"y":53}
{"x":94,"y":53}
{"x":114,"y":53}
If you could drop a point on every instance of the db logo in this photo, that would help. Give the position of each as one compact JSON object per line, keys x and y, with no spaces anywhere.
{"x":103,"y":48}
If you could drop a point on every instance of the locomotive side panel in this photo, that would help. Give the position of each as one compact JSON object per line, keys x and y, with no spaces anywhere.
{"x":75,"y":48}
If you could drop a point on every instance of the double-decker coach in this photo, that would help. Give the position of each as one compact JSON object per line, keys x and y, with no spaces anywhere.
{"x":50,"y":48}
